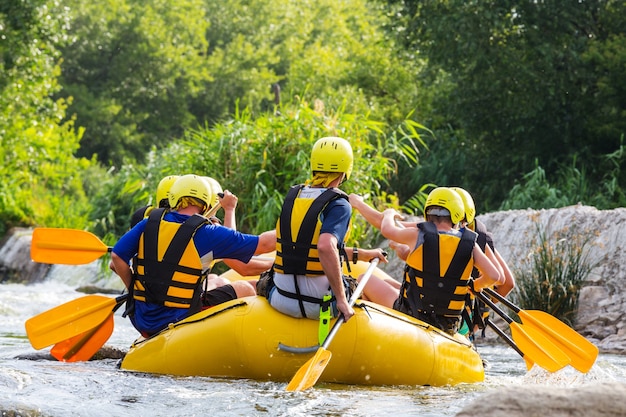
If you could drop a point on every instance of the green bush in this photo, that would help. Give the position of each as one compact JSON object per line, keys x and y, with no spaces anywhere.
{"x":551,"y":277}
{"x":574,"y":184}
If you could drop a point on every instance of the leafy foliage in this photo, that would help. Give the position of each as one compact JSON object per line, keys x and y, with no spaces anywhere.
{"x":260,"y":158}
{"x":133,"y":68}
{"x":572,"y":186}
{"x":40,"y":181}
{"x":142,"y":72}
{"x":551,"y":277}
{"x":518,"y":82}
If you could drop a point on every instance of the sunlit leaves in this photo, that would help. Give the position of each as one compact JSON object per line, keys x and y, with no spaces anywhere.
{"x":39,"y":177}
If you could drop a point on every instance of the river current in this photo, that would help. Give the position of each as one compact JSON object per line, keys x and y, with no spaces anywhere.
{"x":98,"y":388}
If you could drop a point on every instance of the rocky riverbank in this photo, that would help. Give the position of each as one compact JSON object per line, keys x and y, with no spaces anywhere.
{"x":601,"y":313}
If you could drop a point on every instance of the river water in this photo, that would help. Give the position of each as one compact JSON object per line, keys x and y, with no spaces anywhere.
{"x":98,"y":388}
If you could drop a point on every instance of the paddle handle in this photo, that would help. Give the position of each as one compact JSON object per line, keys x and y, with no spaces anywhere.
{"x":355,"y":295}
{"x":503,"y":300}
{"x":482,"y":297}
{"x":504,"y":336}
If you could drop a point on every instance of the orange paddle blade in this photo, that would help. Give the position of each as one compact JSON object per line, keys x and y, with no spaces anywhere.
{"x":69,"y":319}
{"x":65,"y":246}
{"x":82,"y":347}
{"x":537,"y":348}
{"x":310,"y":372}
{"x":528,"y":362}
{"x":582,"y":352}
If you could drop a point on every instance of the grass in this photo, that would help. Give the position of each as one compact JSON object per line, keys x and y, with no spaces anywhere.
{"x":551,"y":277}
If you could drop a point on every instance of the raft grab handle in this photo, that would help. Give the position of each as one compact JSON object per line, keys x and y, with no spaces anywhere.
{"x":298,"y":350}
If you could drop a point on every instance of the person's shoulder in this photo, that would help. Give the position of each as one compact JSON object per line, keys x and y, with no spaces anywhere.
{"x":341,"y":203}
{"x":480,"y":226}
{"x":139,"y":214}
{"x":481,"y":229}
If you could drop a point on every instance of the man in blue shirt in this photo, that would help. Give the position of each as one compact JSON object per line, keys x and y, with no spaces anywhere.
{"x":170,"y":249}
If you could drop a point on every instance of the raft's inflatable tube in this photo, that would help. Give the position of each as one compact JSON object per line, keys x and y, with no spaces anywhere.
{"x":247,"y":338}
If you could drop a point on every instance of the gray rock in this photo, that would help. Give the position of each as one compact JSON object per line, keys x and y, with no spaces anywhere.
{"x":15,"y":262}
{"x":598,"y":400}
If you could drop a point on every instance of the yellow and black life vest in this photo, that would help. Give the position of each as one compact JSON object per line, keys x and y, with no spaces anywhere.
{"x":140,"y":214}
{"x":476,"y":311}
{"x":298,"y":231}
{"x":437,"y":273}
{"x":484,"y":238}
{"x":169,"y":270}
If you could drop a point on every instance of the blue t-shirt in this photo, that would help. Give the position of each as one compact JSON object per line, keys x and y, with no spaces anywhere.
{"x":222,"y":242}
{"x":336,"y":218}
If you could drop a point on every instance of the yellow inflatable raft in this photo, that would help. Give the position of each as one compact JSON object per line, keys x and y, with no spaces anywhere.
{"x":247,"y":338}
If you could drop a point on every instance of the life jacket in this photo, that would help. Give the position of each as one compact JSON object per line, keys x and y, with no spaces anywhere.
{"x":298,"y":231}
{"x":477,"y":311}
{"x":140,"y":214}
{"x":169,"y":270}
{"x":484,"y":238}
{"x":437,"y":273}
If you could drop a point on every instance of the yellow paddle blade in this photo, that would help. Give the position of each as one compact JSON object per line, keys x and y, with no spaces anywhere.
{"x":310,"y":372}
{"x":65,"y":246}
{"x":82,"y":347}
{"x":537,"y":348}
{"x":582,"y":352}
{"x":529,"y":363}
{"x":69,"y":319}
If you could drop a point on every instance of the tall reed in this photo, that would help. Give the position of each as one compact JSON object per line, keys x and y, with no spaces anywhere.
{"x":551,"y":277}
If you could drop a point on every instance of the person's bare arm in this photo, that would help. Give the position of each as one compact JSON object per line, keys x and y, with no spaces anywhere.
{"x":509,"y":281}
{"x":122,"y":269}
{"x":373,"y":216}
{"x":229,"y":204}
{"x":329,"y":258}
{"x":255,"y":266}
{"x":402,"y":250}
{"x":494,"y":260}
{"x":397,"y":233}
{"x":367,"y":254}
{"x":489,"y":274}
{"x":267,"y":242}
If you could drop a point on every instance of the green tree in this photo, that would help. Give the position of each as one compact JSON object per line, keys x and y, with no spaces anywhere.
{"x":141,"y":72}
{"x":40,"y":181}
{"x":522,"y":81}
{"x":332,"y":51}
{"x":132,"y":69}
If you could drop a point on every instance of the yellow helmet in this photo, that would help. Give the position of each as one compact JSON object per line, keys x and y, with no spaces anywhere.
{"x":191,"y":186}
{"x":163,"y":189}
{"x":216,"y":188}
{"x":468,"y":203}
{"x":332,"y":154}
{"x":449,"y":199}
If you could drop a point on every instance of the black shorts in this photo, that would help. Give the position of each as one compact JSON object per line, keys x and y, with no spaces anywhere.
{"x":218,"y":295}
